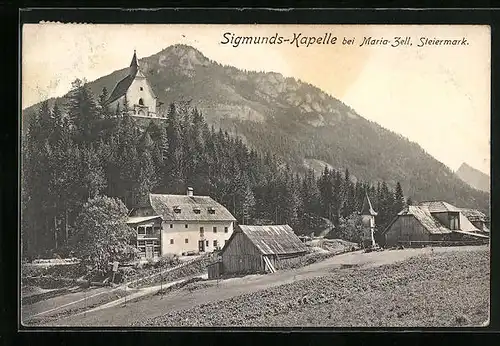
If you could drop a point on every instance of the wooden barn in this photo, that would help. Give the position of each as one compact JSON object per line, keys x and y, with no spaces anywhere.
{"x":478,"y":219}
{"x":430,"y":223}
{"x":257,"y":249}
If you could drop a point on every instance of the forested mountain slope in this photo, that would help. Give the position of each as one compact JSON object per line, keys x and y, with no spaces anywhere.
{"x":297,"y":122}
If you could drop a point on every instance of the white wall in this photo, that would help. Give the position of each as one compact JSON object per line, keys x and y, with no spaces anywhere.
{"x":179,"y":233}
{"x":134,"y":93}
{"x":368,"y":221}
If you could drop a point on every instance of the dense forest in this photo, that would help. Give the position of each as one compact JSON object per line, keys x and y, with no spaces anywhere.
{"x":294,"y":121}
{"x":74,"y":153}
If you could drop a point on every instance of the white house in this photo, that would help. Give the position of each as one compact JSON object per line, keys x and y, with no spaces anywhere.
{"x":136,"y":90}
{"x":175,"y":224}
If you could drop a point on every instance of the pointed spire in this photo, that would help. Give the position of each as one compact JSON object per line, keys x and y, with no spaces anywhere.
{"x":133,"y":65}
{"x":367,"y":208}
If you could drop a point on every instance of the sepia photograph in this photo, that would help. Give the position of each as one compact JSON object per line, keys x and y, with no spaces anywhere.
{"x":209,"y":175}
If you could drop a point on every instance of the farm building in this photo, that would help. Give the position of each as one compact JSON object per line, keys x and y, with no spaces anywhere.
{"x":258,"y":249}
{"x":478,"y":219}
{"x":434,"y":221}
{"x":176,"y":224}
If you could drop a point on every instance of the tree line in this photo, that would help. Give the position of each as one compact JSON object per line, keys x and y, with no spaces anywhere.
{"x":72,"y":155}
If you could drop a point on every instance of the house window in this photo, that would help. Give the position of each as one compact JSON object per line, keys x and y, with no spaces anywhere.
{"x":141,"y":230}
{"x":186,"y":226}
{"x":215,"y":229}
{"x":171,"y":241}
{"x":206,"y":243}
{"x":186,"y":240}
{"x":157,"y":229}
{"x":215,"y":243}
{"x":141,"y":102}
{"x":454,"y":224}
{"x":202,"y":230}
{"x":171,"y":226}
{"x":141,"y":89}
{"x":149,"y":230}
{"x":226,"y":229}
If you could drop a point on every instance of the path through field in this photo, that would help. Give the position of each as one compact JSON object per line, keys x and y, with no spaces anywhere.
{"x":210,"y":291}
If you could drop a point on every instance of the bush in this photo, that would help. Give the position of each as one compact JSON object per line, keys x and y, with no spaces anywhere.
{"x":126,"y":272}
{"x":167,"y":261}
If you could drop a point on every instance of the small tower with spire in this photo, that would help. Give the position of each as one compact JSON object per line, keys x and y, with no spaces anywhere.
{"x":368,"y":217}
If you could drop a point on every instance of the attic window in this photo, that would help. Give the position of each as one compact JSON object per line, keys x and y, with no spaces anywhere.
{"x":196,"y":210}
{"x":177,"y":210}
{"x":211,"y":210}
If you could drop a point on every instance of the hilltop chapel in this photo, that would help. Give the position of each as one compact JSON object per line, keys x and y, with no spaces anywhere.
{"x":134,"y":89}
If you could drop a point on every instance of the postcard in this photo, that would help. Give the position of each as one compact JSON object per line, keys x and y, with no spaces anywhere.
{"x":255,"y":175}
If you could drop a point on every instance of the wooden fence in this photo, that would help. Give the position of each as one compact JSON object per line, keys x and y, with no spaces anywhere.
{"x":443,"y":243}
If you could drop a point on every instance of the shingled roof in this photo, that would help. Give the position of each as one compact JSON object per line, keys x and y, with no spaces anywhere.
{"x":120,"y":88}
{"x":474,"y":215}
{"x":132,"y":220}
{"x":439,"y":206}
{"x":191,"y":208}
{"x":274,"y":239}
{"x":422,"y":214}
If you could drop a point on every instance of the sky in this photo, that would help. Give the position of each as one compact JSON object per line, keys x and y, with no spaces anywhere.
{"x":435,"y":95}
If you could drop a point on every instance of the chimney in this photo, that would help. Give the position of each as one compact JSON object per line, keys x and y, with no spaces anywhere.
{"x":190,"y":192}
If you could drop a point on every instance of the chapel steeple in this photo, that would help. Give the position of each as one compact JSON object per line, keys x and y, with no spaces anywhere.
{"x":367,"y":208}
{"x":134,"y":66}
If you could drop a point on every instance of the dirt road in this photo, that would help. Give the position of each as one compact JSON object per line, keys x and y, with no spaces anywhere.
{"x":153,"y":305}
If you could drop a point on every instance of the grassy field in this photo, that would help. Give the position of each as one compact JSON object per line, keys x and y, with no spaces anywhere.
{"x":433,"y":289}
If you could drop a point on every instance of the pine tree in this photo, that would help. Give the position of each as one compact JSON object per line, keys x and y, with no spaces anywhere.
{"x":399,"y":199}
{"x":103,"y":97}
{"x":83,"y":112}
{"x":325,"y":187}
{"x":93,"y":180}
{"x":291,"y":199}
{"x":247,"y":202}
{"x":126,"y":105}
{"x":146,"y":178}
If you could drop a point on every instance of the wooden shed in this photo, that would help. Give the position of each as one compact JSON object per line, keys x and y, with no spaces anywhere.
{"x":429,"y":223}
{"x":214,"y":270}
{"x":257,"y":249}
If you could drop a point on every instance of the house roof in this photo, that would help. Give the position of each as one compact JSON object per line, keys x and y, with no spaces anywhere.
{"x":474,"y":215}
{"x":120,"y":88}
{"x":164,"y":205}
{"x":274,"y":239}
{"x":423,"y":215}
{"x":439,"y":206}
{"x":367,"y":208}
{"x":132,"y":220}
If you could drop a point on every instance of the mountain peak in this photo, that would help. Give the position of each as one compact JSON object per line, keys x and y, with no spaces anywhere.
{"x":474,"y":177}
{"x":182,"y":59}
